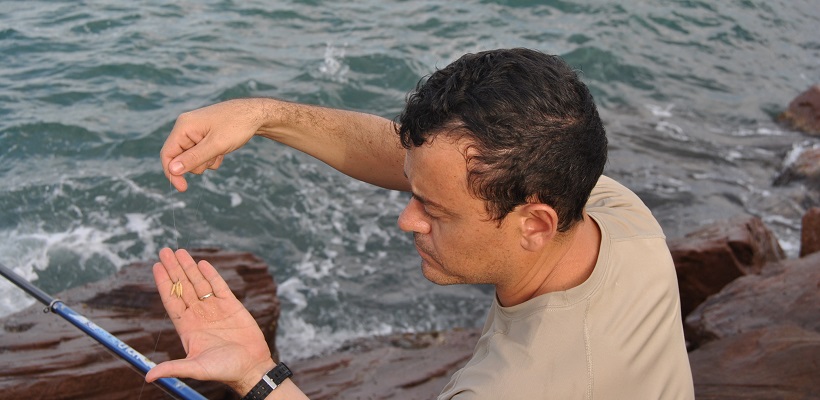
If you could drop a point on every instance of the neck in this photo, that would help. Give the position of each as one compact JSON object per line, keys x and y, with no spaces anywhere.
{"x":564,"y":264}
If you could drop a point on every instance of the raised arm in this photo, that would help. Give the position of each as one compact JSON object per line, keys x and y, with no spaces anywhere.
{"x":363,"y":146}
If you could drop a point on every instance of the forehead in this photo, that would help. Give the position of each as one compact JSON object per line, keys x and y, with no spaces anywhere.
{"x":442,"y":157}
{"x":438,"y":170}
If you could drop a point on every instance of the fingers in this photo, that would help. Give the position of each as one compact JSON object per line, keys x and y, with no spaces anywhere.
{"x":201,"y":285}
{"x":176,"y":369}
{"x":211,"y":164}
{"x":200,"y":138}
{"x":167,"y":156}
{"x":217,"y":162}
{"x":179,"y":182}
{"x":177,"y":275}
{"x":196,"y":280}
{"x":218,"y":285}
{"x":186,"y":150}
{"x":164,"y":283}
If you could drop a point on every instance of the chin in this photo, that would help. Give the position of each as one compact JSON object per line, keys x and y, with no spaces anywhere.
{"x":436,"y":275}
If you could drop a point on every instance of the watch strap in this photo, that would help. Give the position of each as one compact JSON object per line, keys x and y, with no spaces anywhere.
{"x":269,"y":381}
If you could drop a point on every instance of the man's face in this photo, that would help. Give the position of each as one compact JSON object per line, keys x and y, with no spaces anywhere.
{"x":457,"y":241}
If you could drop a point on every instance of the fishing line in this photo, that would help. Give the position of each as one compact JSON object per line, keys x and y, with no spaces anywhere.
{"x":196,"y":215}
{"x":153,"y":352}
{"x":176,"y":237}
{"x":174,"y":216}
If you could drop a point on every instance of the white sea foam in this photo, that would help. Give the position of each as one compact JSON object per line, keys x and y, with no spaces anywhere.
{"x":291,"y":291}
{"x":29,"y":250}
{"x":367,"y":230}
{"x":660,"y":111}
{"x":315,"y":267}
{"x":333,"y":66}
{"x":781,"y":220}
{"x":13,"y":299}
{"x":305,"y":340}
{"x":796,"y":150}
{"x":759,"y":131}
{"x":732,"y":155}
{"x":236,"y":199}
{"x":672,"y":130}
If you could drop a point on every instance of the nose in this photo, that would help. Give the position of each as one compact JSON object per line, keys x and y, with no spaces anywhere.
{"x":414,"y":218}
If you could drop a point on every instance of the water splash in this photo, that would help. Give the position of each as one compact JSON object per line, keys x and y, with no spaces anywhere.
{"x":333,"y":66}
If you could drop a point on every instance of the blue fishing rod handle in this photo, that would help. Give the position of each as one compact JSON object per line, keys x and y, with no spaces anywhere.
{"x":173,"y":386}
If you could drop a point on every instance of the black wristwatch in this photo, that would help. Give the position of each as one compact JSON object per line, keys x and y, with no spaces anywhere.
{"x":269,"y":381}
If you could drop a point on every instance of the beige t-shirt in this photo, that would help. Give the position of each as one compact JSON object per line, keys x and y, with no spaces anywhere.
{"x":618,"y":335}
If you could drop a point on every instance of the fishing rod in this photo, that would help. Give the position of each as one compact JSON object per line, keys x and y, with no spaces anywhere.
{"x":172,"y":386}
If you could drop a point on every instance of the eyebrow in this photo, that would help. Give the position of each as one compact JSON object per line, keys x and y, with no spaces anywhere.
{"x":428,"y":202}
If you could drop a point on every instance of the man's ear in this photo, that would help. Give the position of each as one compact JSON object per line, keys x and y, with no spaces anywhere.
{"x":539,"y":225}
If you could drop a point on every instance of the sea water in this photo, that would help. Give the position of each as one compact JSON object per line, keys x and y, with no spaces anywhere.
{"x":689,"y":91}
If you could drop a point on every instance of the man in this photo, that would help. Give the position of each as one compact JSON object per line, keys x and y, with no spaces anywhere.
{"x":503,"y":152}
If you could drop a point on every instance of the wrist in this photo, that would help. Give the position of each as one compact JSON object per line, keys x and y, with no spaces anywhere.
{"x":249,"y":380}
{"x":275,"y":118}
{"x":269,"y":385}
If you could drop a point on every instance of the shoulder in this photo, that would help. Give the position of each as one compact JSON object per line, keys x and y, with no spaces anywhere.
{"x":620,"y":211}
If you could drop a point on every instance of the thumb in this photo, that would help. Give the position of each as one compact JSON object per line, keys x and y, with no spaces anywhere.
{"x":177,"y":167}
{"x":187,"y":161}
{"x":195,"y":157}
{"x":176,"y":369}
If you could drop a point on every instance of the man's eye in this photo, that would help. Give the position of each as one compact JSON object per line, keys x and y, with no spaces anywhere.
{"x":430,"y":214}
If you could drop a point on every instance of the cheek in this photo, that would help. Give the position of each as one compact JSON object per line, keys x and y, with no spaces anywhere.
{"x":462,"y":239}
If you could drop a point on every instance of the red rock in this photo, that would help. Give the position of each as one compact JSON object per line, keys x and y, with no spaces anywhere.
{"x":803,"y":113}
{"x":403,"y":366}
{"x":786,"y":293}
{"x":710,"y":258}
{"x":46,"y":357}
{"x":805,"y":167}
{"x":810,"y":232}
{"x":776,"y":362}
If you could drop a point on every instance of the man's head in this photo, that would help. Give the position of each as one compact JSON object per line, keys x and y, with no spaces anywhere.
{"x":532,"y":128}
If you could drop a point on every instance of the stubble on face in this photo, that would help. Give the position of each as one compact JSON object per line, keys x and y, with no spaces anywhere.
{"x":462,"y":245}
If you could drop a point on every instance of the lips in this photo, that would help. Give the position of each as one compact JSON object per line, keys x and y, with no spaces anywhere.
{"x":419,"y":247}
{"x":421,"y":252}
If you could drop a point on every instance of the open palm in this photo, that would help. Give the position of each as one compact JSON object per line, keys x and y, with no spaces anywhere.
{"x":220,"y":337}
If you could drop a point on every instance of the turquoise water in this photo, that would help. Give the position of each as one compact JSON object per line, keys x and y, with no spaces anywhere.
{"x":89,"y":90}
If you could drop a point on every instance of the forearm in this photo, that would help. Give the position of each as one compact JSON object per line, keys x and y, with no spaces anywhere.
{"x":363,"y":146}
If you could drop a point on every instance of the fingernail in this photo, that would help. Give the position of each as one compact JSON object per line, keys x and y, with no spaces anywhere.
{"x":176,"y":167}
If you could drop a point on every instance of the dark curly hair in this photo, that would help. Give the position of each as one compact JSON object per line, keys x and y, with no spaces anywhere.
{"x":531,"y":122}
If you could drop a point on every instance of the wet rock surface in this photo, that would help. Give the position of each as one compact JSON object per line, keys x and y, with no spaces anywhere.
{"x":759,"y":338}
{"x":713,"y":256}
{"x":403,"y":366}
{"x":785,"y":293}
{"x":803,"y":113}
{"x":810,"y":232}
{"x":804,"y":167}
{"x":773,"y":362}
